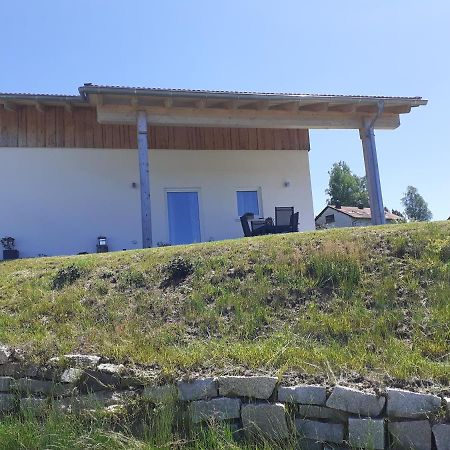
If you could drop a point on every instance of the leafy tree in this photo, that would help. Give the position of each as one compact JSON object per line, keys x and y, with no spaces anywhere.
{"x":416,"y":208}
{"x":345,"y":187}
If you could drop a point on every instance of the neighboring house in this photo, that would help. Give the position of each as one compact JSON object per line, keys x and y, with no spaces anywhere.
{"x":349,"y":216}
{"x":145,"y":167}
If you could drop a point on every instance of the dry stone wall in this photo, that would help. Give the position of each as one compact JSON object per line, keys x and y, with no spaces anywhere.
{"x":317,"y":417}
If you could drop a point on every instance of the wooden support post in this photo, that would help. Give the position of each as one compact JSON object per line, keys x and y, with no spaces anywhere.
{"x":367,"y":136}
{"x":144,"y":172}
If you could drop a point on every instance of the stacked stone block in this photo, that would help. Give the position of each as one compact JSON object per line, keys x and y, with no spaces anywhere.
{"x":316,"y":417}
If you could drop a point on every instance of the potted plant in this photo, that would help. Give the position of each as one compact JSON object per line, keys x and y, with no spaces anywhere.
{"x":9,"y":251}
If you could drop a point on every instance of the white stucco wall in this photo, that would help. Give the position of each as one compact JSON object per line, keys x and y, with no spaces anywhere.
{"x":341,"y":220}
{"x":57,"y":201}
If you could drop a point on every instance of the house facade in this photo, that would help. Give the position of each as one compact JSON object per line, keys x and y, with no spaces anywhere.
{"x":333,"y":216}
{"x":146,"y":167}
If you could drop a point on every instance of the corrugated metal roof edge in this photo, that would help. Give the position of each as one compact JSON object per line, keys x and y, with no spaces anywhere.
{"x":89,"y":88}
{"x":44,"y":98}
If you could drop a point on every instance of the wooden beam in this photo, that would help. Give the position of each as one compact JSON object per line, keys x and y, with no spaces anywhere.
{"x":40,"y":107}
{"x":168,"y":103}
{"x":255,"y":106}
{"x":68,"y":108}
{"x":200,"y":104}
{"x":369,"y":109}
{"x":246,"y":104}
{"x":232,"y":104}
{"x":404,"y":109}
{"x":10,"y":106}
{"x":263,"y":106}
{"x":242,"y":118}
{"x":291,"y":106}
{"x":372,"y":172}
{"x":315,"y":107}
{"x":217,"y":104}
{"x":342,"y":108}
{"x":134,"y":101}
{"x":276,"y":105}
{"x":144,"y":172}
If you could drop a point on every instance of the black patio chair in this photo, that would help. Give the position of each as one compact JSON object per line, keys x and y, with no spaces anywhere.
{"x":259,"y":227}
{"x":293,"y":223}
{"x":283,"y":215}
{"x":246,"y":226}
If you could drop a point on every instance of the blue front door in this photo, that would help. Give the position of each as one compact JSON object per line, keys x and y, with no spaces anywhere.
{"x":184,"y":221}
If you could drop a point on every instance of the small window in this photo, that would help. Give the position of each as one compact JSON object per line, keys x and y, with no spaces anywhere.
{"x":248,"y":202}
{"x":329,"y":218}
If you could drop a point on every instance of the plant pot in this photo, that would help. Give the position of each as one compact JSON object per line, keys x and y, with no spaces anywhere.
{"x":10,"y":254}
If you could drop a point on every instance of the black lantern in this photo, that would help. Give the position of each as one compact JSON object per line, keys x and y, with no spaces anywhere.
{"x":102,"y":246}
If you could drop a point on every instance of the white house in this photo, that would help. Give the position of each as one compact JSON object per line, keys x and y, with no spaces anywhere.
{"x":335,"y":216}
{"x":149,"y":166}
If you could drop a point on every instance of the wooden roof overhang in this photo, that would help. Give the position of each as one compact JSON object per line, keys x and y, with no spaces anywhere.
{"x":244,"y":109}
{"x":177,"y":107}
{"x":12,"y":102}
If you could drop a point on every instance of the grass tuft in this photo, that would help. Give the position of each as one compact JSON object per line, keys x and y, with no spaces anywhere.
{"x":139,"y":427}
{"x":333,"y":271}
{"x":66,"y":276}
{"x":176,"y":271}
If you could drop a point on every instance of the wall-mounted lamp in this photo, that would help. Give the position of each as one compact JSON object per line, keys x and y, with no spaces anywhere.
{"x":286,"y":183}
{"x":134,"y":185}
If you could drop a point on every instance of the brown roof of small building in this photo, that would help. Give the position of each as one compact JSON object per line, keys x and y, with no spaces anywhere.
{"x":359,"y":213}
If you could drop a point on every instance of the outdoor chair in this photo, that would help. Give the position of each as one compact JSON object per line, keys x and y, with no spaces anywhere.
{"x":283,"y":215}
{"x":246,"y":226}
{"x":293,"y":223}
{"x":259,"y":227}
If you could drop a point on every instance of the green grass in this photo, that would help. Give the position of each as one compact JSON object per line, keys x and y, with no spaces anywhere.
{"x":375,"y":301}
{"x":140,"y":427}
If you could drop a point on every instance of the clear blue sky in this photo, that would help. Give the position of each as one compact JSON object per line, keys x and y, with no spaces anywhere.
{"x":382,"y":47}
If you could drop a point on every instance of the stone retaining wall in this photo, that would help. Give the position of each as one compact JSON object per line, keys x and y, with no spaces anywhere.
{"x":318,"y":417}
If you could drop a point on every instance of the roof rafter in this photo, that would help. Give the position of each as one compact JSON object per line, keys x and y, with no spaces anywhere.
{"x":315,"y":107}
{"x":9,"y":106}
{"x":40,"y":107}
{"x":345,"y":108}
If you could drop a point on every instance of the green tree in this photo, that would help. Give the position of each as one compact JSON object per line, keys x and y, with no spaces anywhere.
{"x":345,"y":187}
{"x":416,"y":208}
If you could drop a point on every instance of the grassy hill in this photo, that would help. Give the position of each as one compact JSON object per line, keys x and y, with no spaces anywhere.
{"x":372,"y":301}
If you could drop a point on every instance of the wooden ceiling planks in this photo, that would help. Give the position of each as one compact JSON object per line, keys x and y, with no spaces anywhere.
{"x":56,"y":127}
